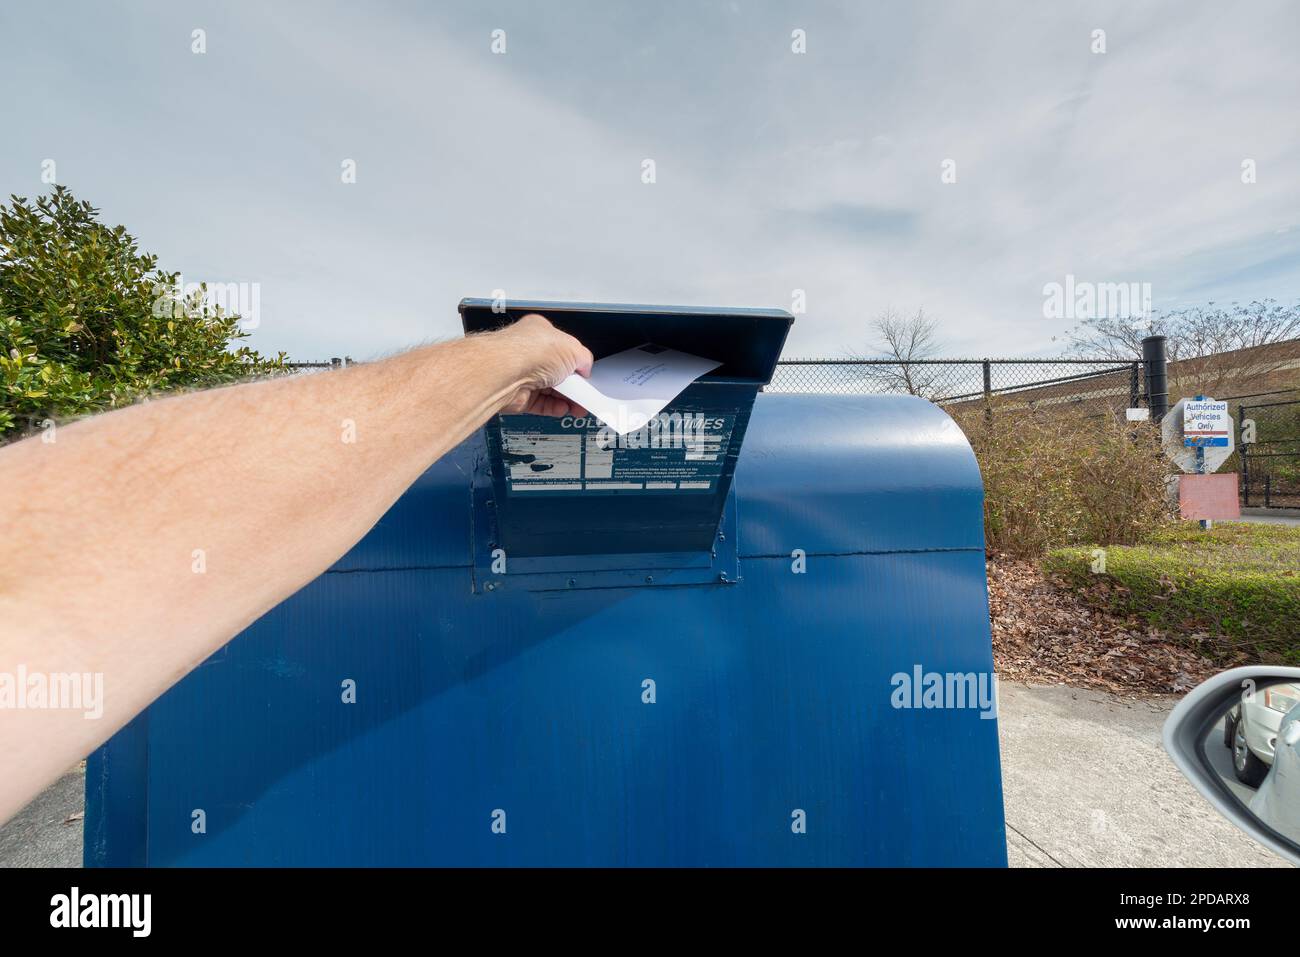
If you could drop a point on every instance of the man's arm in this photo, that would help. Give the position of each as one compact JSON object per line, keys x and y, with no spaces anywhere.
{"x":261,"y":486}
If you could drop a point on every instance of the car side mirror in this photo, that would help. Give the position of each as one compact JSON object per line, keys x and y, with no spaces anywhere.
{"x":1237,"y":739}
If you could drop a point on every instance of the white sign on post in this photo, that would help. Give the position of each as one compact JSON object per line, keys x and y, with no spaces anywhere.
{"x":1198,"y":434}
{"x":1206,"y":424}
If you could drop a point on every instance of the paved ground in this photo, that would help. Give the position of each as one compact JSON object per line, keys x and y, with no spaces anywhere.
{"x":1272,"y":516}
{"x":1087,"y":784}
{"x":47,"y":833}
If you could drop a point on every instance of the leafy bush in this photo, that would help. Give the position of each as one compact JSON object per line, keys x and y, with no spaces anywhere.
{"x":1055,"y":477}
{"x":88,"y":323}
{"x":1232,"y":591}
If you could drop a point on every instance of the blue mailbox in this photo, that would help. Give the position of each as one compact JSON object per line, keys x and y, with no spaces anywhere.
{"x":755,"y":634}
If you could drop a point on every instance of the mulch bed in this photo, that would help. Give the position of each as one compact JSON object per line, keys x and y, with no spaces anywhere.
{"x":1045,"y":633}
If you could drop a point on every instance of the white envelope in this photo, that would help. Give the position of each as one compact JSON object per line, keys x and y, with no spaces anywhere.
{"x":628,"y":389}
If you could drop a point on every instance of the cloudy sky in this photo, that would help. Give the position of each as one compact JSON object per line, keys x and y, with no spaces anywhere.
{"x":774,"y":170}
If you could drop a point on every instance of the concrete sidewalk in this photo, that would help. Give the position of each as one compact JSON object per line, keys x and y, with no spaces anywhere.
{"x":1272,"y":516}
{"x":1088,"y":784}
{"x":47,"y":833}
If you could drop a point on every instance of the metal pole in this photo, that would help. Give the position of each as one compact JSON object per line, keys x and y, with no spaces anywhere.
{"x":1200,"y":461}
{"x":1245,"y":458}
{"x":988,"y":392}
{"x":1133,"y":389}
{"x":1155,"y":362}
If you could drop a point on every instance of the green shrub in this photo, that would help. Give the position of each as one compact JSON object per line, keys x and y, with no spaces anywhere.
{"x":1232,"y":591}
{"x":89,"y":323}
{"x":1056,"y":477}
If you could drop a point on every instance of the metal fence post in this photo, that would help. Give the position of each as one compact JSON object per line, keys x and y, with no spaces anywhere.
{"x":988,"y":392}
{"x":1134,"y":389}
{"x":1155,"y":361}
{"x":1244,"y":450}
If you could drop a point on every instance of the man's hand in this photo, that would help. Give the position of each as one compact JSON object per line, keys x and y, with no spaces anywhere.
{"x":550,"y":356}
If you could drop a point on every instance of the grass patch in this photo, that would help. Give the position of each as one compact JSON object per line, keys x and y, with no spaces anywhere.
{"x":1233,"y":592}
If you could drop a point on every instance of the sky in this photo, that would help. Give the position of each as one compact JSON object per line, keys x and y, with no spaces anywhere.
{"x":952,"y":157}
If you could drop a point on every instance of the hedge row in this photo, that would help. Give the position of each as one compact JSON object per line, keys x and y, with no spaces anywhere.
{"x":1233,"y":592}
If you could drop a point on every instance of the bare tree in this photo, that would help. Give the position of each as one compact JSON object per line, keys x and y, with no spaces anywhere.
{"x":1205,"y":343}
{"x":906,"y":340}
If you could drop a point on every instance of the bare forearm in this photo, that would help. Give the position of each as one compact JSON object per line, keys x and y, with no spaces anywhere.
{"x":257,"y":478}
{"x":138,"y":542}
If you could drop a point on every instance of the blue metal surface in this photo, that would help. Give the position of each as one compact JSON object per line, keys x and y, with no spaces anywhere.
{"x":721,"y":563}
{"x":772,"y":694}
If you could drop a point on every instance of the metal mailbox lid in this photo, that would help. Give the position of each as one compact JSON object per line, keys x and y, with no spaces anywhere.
{"x":747,"y":342}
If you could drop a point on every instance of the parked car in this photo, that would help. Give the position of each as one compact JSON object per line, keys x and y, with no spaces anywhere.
{"x":1250,"y":730}
{"x":1277,"y":802}
{"x":1262,"y":730}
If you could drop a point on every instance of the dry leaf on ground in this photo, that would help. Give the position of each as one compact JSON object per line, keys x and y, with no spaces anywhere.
{"x":1044,"y":633}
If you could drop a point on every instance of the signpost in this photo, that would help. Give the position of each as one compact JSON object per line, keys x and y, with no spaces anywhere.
{"x":1198,"y":436}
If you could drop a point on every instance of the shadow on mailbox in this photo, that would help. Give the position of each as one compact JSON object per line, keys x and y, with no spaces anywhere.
{"x":760,"y":638}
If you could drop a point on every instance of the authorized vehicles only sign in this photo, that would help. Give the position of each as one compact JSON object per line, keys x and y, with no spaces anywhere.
{"x":1206,"y":424}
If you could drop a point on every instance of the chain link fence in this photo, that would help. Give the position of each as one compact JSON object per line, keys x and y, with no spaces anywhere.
{"x":1034,"y":382}
{"x":1269,"y":466}
{"x":1269,"y":449}
{"x":334,"y":363}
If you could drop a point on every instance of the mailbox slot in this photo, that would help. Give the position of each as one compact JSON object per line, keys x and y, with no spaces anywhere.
{"x":558,"y":487}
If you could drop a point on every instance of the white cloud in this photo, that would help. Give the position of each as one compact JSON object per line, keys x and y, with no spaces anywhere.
{"x":775,"y":171}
